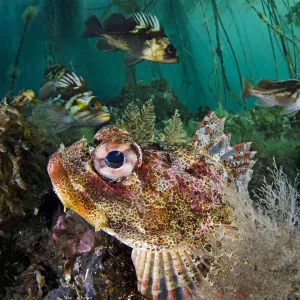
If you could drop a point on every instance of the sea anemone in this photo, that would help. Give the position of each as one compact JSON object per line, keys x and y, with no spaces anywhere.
{"x":13,"y":71}
{"x":29,"y":13}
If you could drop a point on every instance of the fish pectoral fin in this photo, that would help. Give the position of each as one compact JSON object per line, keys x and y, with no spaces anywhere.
{"x":105,"y":46}
{"x":169,"y":274}
{"x":60,"y":118}
{"x":130,"y":60}
{"x":290,"y":111}
{"x":61,"y":127}
{"x":264,"y":102}
{"x":47,"y":90}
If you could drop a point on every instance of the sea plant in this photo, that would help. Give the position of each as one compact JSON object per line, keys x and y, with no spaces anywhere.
{"x":27,"y":16}
{"x":139,"y":122}
{"x":174,"y":133}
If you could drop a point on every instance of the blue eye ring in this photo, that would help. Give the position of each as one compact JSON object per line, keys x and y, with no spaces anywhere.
{"x":114,"y":159}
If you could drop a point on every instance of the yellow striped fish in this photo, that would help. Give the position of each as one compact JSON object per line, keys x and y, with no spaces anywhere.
{"x":69,"y":101}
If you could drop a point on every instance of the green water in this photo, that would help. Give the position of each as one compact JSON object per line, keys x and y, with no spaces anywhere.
{"x":197,"y":79}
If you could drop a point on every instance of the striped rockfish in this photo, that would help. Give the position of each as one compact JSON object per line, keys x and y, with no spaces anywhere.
{"x":141,"y":35}
{"x":69,"y":102}
{"x":285,"y":93}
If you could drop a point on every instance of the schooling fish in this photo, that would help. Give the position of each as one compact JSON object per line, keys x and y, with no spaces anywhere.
{"x":70,"y":102}
{"x":141,"y":35}
{"x":275,"y":93}
{"x":164,"y":201}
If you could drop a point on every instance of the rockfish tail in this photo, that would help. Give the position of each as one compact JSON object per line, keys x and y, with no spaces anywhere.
{"x":141,"y":35}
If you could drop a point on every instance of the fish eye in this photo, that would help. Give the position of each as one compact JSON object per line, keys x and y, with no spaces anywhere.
{"x":171,"y":49}
{"x":116,"y":160}
{"x":92,"y":105}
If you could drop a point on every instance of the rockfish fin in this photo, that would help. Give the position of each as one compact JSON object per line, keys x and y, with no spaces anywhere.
{"x":170,"y":274}
{"x":237,"y":159}
{"x":265,"y":102}
{"x":118,"y":23}
{"x":290,"y":85}
{"x":48,"y":90}
{"x":93,"y":28}
{"x":247,"y":88}
{"x":71,"y":80}
{"x":60,"y":117}
{"x":291,"y":110}
{"x":267,"y":84}
{"x":146,"y":21}
{"x":105,"y":46}
{"x":131,"y":59}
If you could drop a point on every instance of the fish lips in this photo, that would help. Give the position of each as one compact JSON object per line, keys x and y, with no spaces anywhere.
{"x":171,"y":59}
{"x":95,"y":120}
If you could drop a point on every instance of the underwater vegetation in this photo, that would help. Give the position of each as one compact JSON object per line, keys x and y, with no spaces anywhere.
{"x":294,"y":15}
{"x":13,"y":71}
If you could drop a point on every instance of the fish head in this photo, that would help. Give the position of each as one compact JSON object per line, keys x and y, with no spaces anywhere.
{"x":87,"y":110}
{"x":144,"y":195}
{"x":160,"y":49}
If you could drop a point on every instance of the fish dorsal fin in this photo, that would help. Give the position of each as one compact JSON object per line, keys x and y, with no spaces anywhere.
{"x":237,"y":159}
{"x":146,"y":21}
{"x":71,"y":80}
{"x":290,"y":85}
{"x":118,"y":23}
{"x":55,"y":72}
{"x":266,"y":83}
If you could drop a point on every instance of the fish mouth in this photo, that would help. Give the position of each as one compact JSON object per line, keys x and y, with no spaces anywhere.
{"x":171,"y":60}
{"x":94,"y":119}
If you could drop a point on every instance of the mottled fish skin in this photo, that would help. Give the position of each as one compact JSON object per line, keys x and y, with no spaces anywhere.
{"x":275,"y":93}
{"x":161,"y":201}
{"x":141,"y":35}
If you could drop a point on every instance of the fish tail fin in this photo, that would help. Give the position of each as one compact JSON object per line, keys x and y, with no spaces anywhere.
{"x":247,"y":88}
{"x":170,"y":274}
{"x":237,"y":159}
{"x":93,"y":28}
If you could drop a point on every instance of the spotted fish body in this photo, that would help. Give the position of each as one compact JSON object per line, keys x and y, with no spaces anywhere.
{"x":163,"y":201}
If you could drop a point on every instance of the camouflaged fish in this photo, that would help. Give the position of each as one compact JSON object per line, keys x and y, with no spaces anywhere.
{"x":70,"y":102}
{"x":141,"y":35}
{"x":284,"y":93}
{"x":163,"y":201}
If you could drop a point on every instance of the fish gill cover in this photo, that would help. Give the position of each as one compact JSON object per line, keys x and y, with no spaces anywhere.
{"x":238,"y":58}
